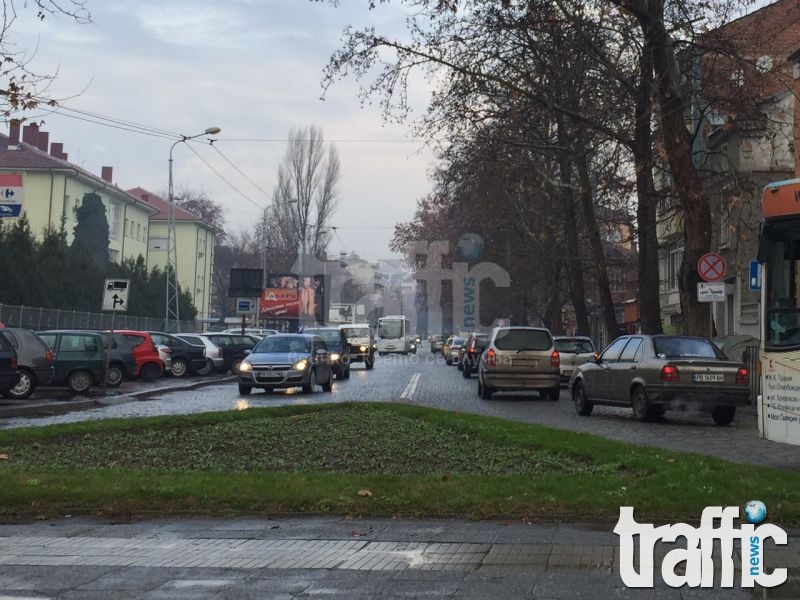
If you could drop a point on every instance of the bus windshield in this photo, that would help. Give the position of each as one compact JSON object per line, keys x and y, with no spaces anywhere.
{"x":780,"y":251}
{"x":390,"y":330}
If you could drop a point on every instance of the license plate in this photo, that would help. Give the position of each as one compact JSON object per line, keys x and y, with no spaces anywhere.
{"x":709,"y":377}
{"x":276,"y":374}
{"x":521,"y":362}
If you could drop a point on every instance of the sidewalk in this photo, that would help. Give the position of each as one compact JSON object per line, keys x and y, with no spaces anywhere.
{"x":338,"y":557}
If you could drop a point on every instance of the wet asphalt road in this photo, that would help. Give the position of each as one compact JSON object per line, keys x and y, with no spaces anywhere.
{"x":424,"y":379}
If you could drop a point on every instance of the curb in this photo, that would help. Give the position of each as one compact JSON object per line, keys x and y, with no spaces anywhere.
{"x":59,"y":407}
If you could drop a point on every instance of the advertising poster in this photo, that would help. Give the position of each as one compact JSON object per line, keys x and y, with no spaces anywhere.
{"x":290,"y":296}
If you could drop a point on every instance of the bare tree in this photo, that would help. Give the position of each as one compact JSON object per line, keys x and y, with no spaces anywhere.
{"x":305,"y":196}
{"x":20,"y":88}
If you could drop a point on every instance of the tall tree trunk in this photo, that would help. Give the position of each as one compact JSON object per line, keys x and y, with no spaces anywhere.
{"x":673,"y":108}
{"x":642,"y":147}
{"x":577,"y":289}
{"x":593,"y":233}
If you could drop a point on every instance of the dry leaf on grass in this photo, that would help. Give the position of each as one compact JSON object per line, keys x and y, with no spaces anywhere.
{"x":365,"y":493}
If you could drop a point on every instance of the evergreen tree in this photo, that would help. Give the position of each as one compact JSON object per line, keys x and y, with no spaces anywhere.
{"x":91,"y":230}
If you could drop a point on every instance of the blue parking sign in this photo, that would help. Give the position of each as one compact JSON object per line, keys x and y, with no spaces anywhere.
{"x":754,"y":279}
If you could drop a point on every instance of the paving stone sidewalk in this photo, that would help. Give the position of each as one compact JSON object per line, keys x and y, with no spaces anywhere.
{"x":334,"y":557}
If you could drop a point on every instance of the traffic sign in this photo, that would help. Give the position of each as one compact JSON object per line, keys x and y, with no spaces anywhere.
{"x":710,"y":292}
{"x":115,"y":294}
{"x":754,"y":280}
{"x":246,"y":306}
{"x":711,"y":267}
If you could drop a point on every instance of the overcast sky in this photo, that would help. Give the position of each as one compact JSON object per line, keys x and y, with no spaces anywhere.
{"x":252,"y":68}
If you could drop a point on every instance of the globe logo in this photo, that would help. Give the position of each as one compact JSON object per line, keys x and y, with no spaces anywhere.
{"x":469,"y":246}
{"x":755,"y":511}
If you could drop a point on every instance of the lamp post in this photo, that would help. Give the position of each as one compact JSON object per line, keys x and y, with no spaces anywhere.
{"x":172,"y":313}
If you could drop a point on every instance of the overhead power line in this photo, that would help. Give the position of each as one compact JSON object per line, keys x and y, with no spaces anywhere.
{"x":223,"y":178}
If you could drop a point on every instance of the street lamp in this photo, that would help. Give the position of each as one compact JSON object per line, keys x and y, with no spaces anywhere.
{"x":264,"y":238}
{"x":172,"y":316}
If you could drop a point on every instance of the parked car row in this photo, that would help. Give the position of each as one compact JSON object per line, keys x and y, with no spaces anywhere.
{"x":651,"y":374}
{"x":82,"y":359}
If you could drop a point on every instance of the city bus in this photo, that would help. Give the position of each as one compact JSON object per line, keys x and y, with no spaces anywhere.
{"x":779,"y":256}
{"x":394,"y":335}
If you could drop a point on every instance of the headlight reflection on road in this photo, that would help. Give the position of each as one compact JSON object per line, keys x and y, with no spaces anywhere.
{"x":241,"y":405}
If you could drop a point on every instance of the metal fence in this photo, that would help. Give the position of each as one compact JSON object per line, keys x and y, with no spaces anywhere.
{"x":38,"y":319}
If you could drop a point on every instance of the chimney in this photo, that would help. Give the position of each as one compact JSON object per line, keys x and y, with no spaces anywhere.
{"x":57,"y":150}
{"x":13,"y":134}
{"x":107,"y":174}
{"x":30,"y":134}
{"x":43,"y":141}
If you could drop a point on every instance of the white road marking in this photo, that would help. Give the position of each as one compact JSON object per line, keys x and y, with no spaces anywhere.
{"x":411,"y":387}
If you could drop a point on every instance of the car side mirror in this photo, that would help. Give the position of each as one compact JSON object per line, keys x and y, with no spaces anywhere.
{"x":597,"y":358}
{"x":247,"y":352}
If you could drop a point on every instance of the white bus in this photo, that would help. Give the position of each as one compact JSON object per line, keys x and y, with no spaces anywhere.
{"x":394,"y":335}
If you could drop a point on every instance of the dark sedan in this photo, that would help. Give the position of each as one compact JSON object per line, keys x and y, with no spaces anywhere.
{"x":656,"y":373}
{"x":287,"y":360}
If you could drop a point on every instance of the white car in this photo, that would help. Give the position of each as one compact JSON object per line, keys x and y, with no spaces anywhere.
{"x":165,"y":354}
{"x":573,"y":350}
{"x":213,"y":352}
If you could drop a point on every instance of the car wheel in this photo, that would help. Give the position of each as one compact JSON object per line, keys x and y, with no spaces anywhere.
{"x":465,"y":372}
{"x":723,"y":415}
{"x":79,"y":381}
{"x":235,"y":365}
{"x":448,"y":362}
{"x":179,"y":367}
{"x":555,"y":393}
{"x":308,"y":388}
{"x":484,"y":391}
{"x":642,"y":410}
{"x":150,"y":372}
{"x":267,"y":390}
{"x":245,"y":389}
{"x":24,"y":388}
{"x":370,"y":362}
{"x":328,"y":385}
{"x":114,"y":375}
{"x":209,"y":366}
{"x":347,"y":372}
{"x":582,"y":404}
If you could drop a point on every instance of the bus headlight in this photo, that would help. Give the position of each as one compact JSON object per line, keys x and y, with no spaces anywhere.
{"x":300,"y":365}
{"x":245,"y":367}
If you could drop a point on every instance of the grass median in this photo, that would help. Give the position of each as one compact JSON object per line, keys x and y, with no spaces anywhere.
{"x":375,"y":459}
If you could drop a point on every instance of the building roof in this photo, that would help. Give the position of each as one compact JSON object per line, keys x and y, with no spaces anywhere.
{"x":25,"y":157}
{"x":161,"y":207}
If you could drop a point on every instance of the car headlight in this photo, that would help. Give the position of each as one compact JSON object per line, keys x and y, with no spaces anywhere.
{"x":412,"y":346}
{"x":300,"y":365}
{"x":362,"y":348}
{"x":335,"y":356}
{"x":245,"y":367}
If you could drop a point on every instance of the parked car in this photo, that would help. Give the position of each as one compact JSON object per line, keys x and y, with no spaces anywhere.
{"x":520,"y":359}
{"x":186,"y":358}
{"x":79,"y":359}
{"x":472,"y":349}
{"x":336,"y":341}
{"x":436,"y":343}
{"x":361,"y":339}
{"x":120,"y":364}
{"x":656,"y":373}
{"x":215,"y":361}
{"x":34,"y":361}
{"x":149,"y":364}
{"x":453,"y":347}
{"x":287,"y":360}
{"x":165,"y":354}
{"x":234,"y":347}
{"x":573,"y":351}
{"x":9,"y":374}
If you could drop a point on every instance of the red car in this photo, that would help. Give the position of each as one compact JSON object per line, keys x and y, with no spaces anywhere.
{"x":149,"y":366}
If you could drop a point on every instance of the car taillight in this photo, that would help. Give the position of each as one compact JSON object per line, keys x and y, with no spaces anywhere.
{"x":13,"y":363}
{"x":669,"y":374}
{"x":219,"y":352}
{"x":491,"y":358}
{"x":48,"y":356}
{"x":555,"y":359}
{"x":742,"y":376}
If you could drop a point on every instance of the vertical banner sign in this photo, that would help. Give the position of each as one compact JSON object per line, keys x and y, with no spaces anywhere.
{"x":10,"y":195}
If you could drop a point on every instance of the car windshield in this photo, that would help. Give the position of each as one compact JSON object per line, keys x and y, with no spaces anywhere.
{"x":356,"y":332}
{"x":457,"y":342}
{"x":331,"y":336}
{"x":574,"y":346}
{"x":523,"y":339}
{"x":685,"y":347}
{"x":282,"y":345}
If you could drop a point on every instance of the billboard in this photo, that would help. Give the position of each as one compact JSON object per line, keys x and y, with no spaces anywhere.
{"x":289,"y":296}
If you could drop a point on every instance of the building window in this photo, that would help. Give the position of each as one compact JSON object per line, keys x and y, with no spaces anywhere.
{"x":112,"y":214}
{"x":674,"y":260}
{"x":113,"y":255}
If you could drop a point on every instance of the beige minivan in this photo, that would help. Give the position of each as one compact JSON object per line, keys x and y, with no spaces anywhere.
{"x":520,"y":359}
